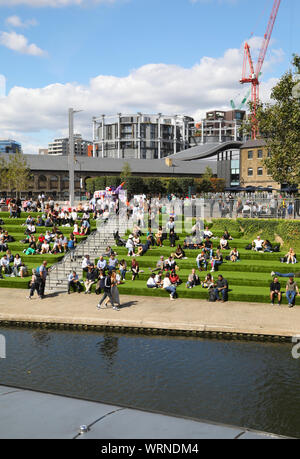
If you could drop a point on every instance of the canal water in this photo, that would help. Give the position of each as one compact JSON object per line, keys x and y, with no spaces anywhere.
{"x":256,"y":385}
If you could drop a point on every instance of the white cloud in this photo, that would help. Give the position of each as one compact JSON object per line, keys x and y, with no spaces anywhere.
{"x":153,"y":88}
{"x":16,"y":21}
{"x":19,"y":43}
{"x":53,"y":3}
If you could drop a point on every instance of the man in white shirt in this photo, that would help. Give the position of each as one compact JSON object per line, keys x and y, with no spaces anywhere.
{"x":151,"y":282}
{"x":4,"y":262}
{"x":102,"y":264}
{"x":257,"y":244}
{"x":86,"y":262}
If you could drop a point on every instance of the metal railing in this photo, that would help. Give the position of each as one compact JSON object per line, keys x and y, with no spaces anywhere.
{"x":58,"y":272}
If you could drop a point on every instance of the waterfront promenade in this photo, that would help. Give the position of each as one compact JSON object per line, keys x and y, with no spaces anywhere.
{"x":151,"y":313}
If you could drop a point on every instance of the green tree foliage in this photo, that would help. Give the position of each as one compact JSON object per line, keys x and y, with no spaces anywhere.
{"x":15,"y":173}
{"x":279,"y":124}
{"x":126,"y":171}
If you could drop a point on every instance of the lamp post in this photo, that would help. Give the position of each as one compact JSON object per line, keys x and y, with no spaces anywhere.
{"x":71,"y":155}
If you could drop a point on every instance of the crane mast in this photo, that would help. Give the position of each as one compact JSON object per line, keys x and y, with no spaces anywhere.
{"x":253,"y":78}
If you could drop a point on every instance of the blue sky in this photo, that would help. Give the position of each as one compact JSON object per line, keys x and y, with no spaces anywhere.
{"x":128,"y":55}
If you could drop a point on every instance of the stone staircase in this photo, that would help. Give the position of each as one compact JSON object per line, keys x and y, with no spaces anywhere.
{"x":94,"y":245}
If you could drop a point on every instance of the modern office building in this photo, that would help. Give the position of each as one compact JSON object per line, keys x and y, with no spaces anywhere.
{"x":60,"y":147}
{"x":141,"y":136}
{"x":10,"y":146}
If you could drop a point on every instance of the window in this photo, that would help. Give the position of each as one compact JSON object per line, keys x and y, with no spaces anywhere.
{"x":250,"y":172}
{"x":259,"y":154}
{"x":250,"y":154}
{"x":260,"y":171}
{"x":269,"y":154}
{"x":269,"y":173}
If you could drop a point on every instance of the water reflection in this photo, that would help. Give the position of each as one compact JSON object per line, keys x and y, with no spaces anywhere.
{"x":256,"y":385}
{"x":108,"y":349}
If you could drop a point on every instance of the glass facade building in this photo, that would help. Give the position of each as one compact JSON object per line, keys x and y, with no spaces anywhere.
{"x":10,"y":146}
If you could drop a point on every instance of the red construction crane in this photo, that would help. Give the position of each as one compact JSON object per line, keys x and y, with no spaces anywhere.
{"x":253,"y":78}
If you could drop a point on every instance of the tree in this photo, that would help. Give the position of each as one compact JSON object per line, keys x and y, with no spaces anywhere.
{"x":15,"y":173}
{"x":279,"y":125}
{"x":126,"y":171}
{"x":208,"y":174}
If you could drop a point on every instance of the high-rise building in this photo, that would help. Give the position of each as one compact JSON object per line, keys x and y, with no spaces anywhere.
{"x":10,"y":146}
{"x":140,"y":136}
{"x":61,"y":146}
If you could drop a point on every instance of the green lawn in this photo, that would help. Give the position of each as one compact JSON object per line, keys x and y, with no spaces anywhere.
{"x":249,"y":279}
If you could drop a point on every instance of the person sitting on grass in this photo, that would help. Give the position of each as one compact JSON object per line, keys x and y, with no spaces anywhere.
{"x":267,"y":246}
{"x":4,"y":263}
{"x":174,"y":278}
{"x":216,"y":261}
{"x":193,"y":279}
{"x":73,"y":282}
{"x":167,"y":285}
{"x":91,"y":278}
{"x":207,"y":233}
{"x":291,"y":291}
{"x":227,"y":236}
{"x":208,"y":281}
{"x":102,"y":264}
{"x":159,"y":236}
{"x":234,"y":255}
{"x":170,"y":264}
{"x":10,"y":256}
{"x":151,"y":281}
{"x":158,"y":279}
{"x":123,"y":269}
{"x":160,"y":265}
{"x":130,"y":246}
{"x":172,"y":238}
{"x":143,"y":248}
{"x":112,"y":262}
{"x":3,"y":245}
{"x":224,"y":244}
{"x":86,"y":263}
{"x":135,"y":268}
{"x":257,"y":244}
{"x":19,"y":269}
{"x":45,"y":247}
{"x":275,"y":288}
{"x":179,"y":253}
{"x":291,"y":257}
{"x":207,"y":245}
{"x":30,"y":250}
{"x":221,"y":287}
{"x":202,"y":261}
{"x":278,"y":274}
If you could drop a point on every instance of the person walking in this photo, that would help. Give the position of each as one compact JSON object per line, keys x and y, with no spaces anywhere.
{"x":114,"y":292}
{"x":107,"y":293}
{"x":34,"y":285}
{"x":42,"y":273}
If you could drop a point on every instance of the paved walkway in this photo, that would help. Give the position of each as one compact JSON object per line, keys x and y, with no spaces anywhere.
{"x":148,"y":312}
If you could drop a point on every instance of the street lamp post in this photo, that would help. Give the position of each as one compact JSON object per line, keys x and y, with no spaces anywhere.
{"x":71,"y":155}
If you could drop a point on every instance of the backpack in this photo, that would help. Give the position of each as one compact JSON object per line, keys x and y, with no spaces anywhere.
{"x":212,"y":295}
{"x":276,"y":248}
{"x":248,"y":247}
